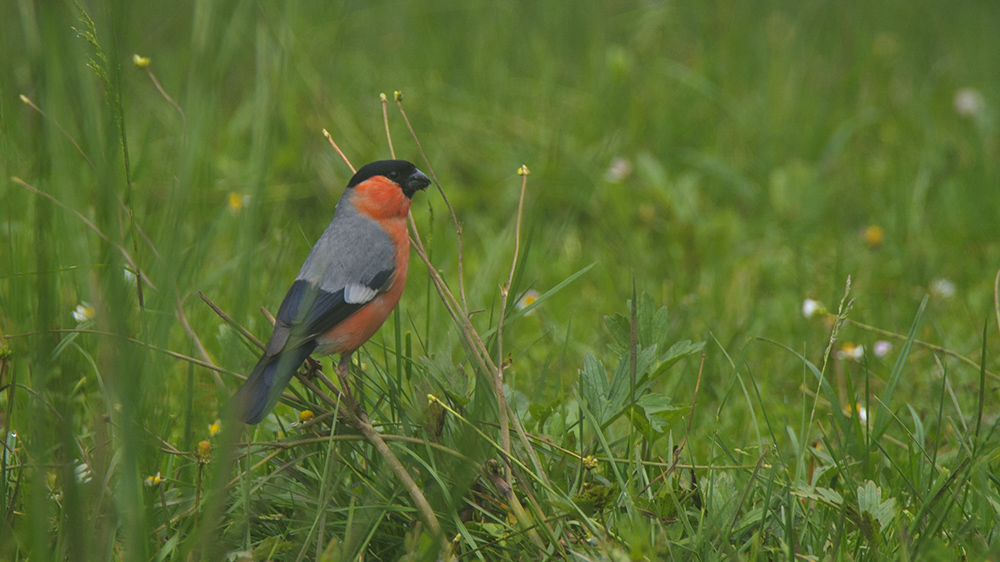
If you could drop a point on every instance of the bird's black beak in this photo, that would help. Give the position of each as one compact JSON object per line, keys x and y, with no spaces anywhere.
{"x":416,"y":182}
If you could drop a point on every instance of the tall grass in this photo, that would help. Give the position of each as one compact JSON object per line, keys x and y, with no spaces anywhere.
{"x":756,"y":145}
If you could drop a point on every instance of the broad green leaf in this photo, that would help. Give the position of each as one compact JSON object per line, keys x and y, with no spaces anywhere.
{"x":594,"y":386}
{"x":660,"y":411}
{"x":678,"y":351}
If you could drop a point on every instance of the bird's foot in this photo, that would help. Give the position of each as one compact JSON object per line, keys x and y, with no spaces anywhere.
{"x":343,"y":369}
{"x":312,"y":368}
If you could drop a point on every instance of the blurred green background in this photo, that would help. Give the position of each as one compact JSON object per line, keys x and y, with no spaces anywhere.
{"x":731,"y":157}
{"x":762,"y":139}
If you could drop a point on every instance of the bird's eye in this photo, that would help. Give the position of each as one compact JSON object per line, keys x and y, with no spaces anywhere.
{"x":393,"y":175}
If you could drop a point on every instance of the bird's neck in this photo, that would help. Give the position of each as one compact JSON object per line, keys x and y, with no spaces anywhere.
{"x":381,"y":200}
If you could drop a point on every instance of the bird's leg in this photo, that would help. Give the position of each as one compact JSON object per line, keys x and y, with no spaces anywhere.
{"x":312,"y":367}
{"x":343,"y":368}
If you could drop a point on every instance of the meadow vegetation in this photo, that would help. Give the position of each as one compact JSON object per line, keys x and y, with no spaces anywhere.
{"x":745,"y":303}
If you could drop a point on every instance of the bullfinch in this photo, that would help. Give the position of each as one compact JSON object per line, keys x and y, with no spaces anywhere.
{"x":348,"y":285}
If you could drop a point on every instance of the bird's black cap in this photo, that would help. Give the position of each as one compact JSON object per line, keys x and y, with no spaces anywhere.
{"x":403,"y":173}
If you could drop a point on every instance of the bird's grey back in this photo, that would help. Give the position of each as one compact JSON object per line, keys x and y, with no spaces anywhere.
{"x":352,"y":249}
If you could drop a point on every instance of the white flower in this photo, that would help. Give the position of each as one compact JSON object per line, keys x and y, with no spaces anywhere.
{"x":812,"y":308}
{"x":82,"y":472}
{"x":942,"y":288}
{"x":526,"y":300}
{"x":84,"y":312}
{"x":851,"y":351}
{"x":862,"y":412}
{"x":129,"y":275}
{"x":619,"y":170}
{"x":968,"y":102}
{"x":154,"y":480}
{"x":882,"y":348}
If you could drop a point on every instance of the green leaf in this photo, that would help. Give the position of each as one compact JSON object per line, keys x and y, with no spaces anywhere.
{"x":594,"y":386}
{"x":651,"y":324}
{"x":870,"y":502}
{"x":882,"y":414}
{"x":659,"y":410}
{"x":620,"y":393}
{"x":678,"y":351}
{"x":620,"y":329}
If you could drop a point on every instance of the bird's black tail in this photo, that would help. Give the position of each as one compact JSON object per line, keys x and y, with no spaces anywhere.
{"x":266,"y":382}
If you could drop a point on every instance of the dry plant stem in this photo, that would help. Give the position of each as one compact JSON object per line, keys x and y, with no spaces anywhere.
{"x":27,"y":101}
{"x":236,"y":325}
{"x":169,"y":99}
{"x":208,"y":365}
{"x":197,"y":342}
{"x":340,"y":152}
{"x":385,"y":120}
{"x":90,"y":225}
{"x":451,"y":210}
{"x":504,"y":293}
{"x":930,"y":346}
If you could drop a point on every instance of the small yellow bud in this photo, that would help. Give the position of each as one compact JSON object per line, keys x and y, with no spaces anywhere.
{"x":397,"y":95}
{"x":874,"y":236}
{"x":523,"y":170}
{"x":140,"y":61}
{"x":204,"y":450}
{"x":590,"y":462}
{"x":382,"y":97}
{"x":306,"y":415}
{"x":235,"y":202}
{"x":26,"y":99}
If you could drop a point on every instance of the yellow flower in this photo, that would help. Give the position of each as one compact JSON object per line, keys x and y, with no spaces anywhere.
{"x":236,"y":201}
{"x":140,"y":61}
{"x":306,"y":415}
{"x":204,"y":450}
{"x":874,"y":236}
{"x":154,"y":480}
{"x":215,"y":428}
{"x":590,"y":462}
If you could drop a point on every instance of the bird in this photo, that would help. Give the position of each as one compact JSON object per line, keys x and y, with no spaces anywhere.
{"x":348,"y":285}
